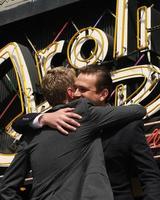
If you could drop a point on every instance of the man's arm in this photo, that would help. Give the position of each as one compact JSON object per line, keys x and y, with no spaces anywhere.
{"x":105,"y":115}
{"x":14,"y":176}
{"x":64,"y":120}
{"x":112,"y":116}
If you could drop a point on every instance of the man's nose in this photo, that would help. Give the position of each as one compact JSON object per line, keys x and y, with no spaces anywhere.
{"x":77,"y":93}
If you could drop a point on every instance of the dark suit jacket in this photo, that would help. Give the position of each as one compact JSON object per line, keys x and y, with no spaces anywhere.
{"x":67,"y":167}
{"x":127,"y":152}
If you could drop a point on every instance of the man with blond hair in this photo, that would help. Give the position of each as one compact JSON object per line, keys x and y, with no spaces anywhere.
{"x":66,"y":167}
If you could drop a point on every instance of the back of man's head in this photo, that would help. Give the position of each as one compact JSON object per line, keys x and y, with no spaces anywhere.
{"x":104,"y":79}
{"x":55,"y":84}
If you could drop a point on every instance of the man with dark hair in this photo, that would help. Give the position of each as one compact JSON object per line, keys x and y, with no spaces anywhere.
{"x":125,"y":148}
{"x":66,"y":167}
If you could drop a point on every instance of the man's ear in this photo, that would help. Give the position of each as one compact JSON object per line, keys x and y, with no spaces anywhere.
{"x":104,"y":94}
{"x":70,"y":93}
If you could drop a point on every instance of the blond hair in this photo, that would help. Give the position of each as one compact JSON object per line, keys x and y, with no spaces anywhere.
{"x":55,"y":84}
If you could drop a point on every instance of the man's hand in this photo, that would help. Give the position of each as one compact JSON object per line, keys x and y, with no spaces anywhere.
{"x":63,"y":120}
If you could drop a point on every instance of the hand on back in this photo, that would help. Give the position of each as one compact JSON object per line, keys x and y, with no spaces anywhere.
{"x":63,"y":120}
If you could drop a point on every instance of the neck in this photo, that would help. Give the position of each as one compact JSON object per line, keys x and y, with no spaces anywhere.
{"x":102,"y":103}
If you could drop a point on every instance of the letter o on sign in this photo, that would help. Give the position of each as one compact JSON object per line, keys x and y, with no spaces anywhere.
{"x":88,"y":46}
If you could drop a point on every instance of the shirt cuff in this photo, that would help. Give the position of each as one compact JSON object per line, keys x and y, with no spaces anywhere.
{"x":36,"y":124}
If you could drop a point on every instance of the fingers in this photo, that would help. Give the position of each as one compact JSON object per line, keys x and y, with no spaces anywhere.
{"x":68,"y":109}
{"x":65,"y":128}
{"x":69,"y":113}
{"x":65,"y":120}
{"x":73,"y":115}
{"x":69,"y":122}
{"x":69,"y":126}
{"x":61,"y":130}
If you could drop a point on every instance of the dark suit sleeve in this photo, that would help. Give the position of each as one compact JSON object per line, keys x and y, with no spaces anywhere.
{"x":147,"y":168}
{"x":23,"y":125}
{"x":14,"y":176}
{"x":111,"y":116}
